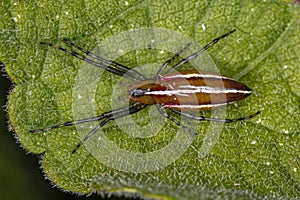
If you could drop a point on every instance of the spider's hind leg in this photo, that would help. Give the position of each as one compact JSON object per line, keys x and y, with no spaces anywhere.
{"x":202,"y":118}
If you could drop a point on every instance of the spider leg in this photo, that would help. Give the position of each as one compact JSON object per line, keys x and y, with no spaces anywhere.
{"x":164,"y":114}
{"x":133,"y":73}
{"x":171,"y":59}
{"x":91,"y":119}
{"x":161,"y":110}
{"x":202,"y":118}
{"x":195,"y":55}
{"x":110,"y":116}
{"x":117,"y":71}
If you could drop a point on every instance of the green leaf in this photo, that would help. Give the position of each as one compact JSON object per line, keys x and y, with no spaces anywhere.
{"x":251,"y":159}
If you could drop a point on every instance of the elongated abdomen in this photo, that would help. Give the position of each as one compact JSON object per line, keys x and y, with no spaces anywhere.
{"x":200,"y":90}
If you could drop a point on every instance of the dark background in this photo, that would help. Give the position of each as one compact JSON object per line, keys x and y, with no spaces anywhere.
{"x":20,"y":174}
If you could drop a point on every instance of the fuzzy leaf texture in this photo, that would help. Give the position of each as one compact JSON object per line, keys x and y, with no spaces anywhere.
{"x":255,"y":158}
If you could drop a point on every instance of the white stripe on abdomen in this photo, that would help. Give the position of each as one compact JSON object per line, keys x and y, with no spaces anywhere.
{"x":185,"y":90}
{"x":187,"y":76}
{"x":195,"y":106}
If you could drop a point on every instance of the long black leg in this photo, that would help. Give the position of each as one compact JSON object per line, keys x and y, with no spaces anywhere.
{"x":178,"y":123}
{"x":172,"y":59}
{"x":202,"y":118}
{"x":164,"y":114}
{"x":122,"y":113}
{"x":195,"y":55}
{"x":91,"y":119}
{"x":90,"y":134}
{"x":90,"y":61}
{"x":134,"y":73}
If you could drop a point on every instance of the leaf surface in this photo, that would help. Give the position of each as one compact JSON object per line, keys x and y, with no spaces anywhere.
{"x":250,"y":159}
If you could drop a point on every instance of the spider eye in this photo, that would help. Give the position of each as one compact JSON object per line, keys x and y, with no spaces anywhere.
{"x":137,"y":92}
